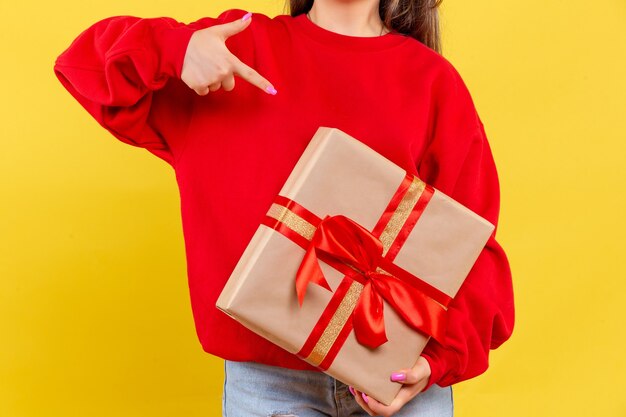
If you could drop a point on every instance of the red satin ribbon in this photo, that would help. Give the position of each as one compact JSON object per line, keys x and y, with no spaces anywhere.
{"x":355,"y":251}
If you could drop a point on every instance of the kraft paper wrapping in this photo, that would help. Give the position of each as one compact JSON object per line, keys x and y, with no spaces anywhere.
{"x":337,"y":174}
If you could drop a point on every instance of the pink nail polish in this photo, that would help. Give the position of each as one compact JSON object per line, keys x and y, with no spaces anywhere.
{"x":398,"y":376}
{"x":351,"y":390}
{"x":271,"y":90}
{"x":246,"y":16}
{"x":365,"y":397}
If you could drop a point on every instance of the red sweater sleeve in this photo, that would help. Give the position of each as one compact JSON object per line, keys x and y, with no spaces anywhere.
{"x":125,"y":71}
{"x":458,"y":161}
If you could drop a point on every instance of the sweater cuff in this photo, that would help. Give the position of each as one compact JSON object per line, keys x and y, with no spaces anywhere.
{"x":172,"y":42}
{"x":441,"y":361}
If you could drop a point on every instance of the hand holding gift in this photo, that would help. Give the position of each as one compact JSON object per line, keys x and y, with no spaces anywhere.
{"x":414,"y":380}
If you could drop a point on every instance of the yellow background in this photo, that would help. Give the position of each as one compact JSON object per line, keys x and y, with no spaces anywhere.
{"x":95,"y":316}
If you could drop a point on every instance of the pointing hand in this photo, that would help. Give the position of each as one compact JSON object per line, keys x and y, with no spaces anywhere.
{"x":209,"y":65}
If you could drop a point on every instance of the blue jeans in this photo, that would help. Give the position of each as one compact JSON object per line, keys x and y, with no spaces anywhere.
{"x":254,"y":389}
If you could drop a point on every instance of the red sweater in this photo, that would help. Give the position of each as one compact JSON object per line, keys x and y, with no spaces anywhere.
{"x":231,"y":151}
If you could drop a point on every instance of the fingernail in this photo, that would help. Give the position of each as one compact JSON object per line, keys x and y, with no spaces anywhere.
{"x":271,"y":90}
{"x":365,"y":397}
{"x":246,"y":16}
{"x":351,"y":390}
{"x":398,"y":376}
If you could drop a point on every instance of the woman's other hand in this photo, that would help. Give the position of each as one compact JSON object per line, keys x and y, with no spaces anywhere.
{"x":414,"y":380}
{"x":209,"y":65}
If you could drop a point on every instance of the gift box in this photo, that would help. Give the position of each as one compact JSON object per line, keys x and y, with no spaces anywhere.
{"x":354,"y":264}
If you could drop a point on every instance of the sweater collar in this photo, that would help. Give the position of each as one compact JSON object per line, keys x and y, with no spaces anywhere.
{"x":357,"y":43}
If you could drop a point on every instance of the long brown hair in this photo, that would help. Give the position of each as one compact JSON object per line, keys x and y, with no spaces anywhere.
{"x":416,"y":18}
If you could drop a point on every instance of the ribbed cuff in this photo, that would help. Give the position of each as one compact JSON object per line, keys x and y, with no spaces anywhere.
{"x":441,"y":362}
{"x":172,"y":39}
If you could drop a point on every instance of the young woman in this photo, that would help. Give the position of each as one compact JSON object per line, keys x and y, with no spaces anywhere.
{"x":371,"y":68}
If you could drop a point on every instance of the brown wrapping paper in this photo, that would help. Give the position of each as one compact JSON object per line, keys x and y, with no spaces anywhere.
{"x":337,"y":174}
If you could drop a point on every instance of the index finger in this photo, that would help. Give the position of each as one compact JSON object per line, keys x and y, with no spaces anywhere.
{"x":253,"y":77}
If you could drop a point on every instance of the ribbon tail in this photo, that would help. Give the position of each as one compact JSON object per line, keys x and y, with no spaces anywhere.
{"x":369,"y":324}
{"x":309,"y":271}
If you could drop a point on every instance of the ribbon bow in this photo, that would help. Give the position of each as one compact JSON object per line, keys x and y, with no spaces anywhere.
{"x":356,"y":252}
